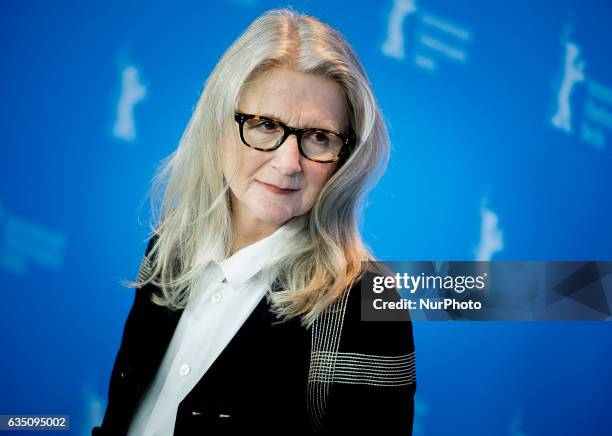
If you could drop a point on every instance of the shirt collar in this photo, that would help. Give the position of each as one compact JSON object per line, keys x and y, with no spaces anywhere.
{"x":248,"y":261}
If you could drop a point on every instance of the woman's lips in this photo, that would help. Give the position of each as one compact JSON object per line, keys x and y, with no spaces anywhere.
{"x":276,"y":189}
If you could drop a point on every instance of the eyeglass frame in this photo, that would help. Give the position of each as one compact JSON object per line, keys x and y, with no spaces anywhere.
{"x":348,"y":140}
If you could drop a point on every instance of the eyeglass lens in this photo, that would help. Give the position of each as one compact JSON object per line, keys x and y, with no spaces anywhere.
{"x":266,"y":134}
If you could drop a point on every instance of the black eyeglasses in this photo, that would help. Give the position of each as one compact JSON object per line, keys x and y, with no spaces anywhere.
{"x":318,"y":145}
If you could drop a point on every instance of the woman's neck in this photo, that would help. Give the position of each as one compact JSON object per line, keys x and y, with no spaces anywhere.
{"x":247,"y":233}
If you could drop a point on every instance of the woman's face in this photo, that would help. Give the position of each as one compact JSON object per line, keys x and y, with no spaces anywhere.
{"x":299,"y":100}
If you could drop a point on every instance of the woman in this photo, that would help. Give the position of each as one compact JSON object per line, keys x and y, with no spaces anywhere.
{"x":246,"y":317}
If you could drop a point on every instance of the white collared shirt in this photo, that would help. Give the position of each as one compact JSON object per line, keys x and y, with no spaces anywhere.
{"x":215,"y":312}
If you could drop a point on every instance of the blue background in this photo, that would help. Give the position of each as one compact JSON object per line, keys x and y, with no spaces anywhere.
{"x":469,"y":102}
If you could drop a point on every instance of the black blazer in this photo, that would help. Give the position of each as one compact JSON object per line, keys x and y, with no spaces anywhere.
{"x":341,"y":375}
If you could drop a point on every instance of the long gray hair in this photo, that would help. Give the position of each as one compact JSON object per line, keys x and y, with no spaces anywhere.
{"x":325,"y":254}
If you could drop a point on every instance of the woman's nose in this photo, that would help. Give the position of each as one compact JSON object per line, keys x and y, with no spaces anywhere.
{"x":287,"y":156}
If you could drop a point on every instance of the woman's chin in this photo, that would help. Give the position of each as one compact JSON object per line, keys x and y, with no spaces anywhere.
{"x":273,"y":218}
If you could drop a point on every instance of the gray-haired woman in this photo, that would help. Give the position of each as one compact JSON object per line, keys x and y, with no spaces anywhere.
{"x":246,"y":317}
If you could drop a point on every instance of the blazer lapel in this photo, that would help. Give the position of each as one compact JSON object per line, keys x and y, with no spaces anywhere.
{"x":160,"y":324}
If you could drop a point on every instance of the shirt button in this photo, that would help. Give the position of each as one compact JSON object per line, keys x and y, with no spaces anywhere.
{"x":216,"y":297}
{"x":184,"y":369}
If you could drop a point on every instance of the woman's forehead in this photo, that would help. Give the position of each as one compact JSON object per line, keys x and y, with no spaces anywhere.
{"x":295,"y":98}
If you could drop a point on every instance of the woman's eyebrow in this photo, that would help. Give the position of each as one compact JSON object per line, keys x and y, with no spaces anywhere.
{"x":273,"y":117}
{"x":306,"y":126}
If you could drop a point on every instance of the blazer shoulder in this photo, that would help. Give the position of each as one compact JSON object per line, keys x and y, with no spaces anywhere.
{"x":146,"y":263}
{"x":362,"y":374}
{"x":393,"y":337}
{"x":341,"y":338}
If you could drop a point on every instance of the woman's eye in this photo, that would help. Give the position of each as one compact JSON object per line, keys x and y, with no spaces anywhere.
{"x":321,"y":138}
{"x":267,"y":125}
